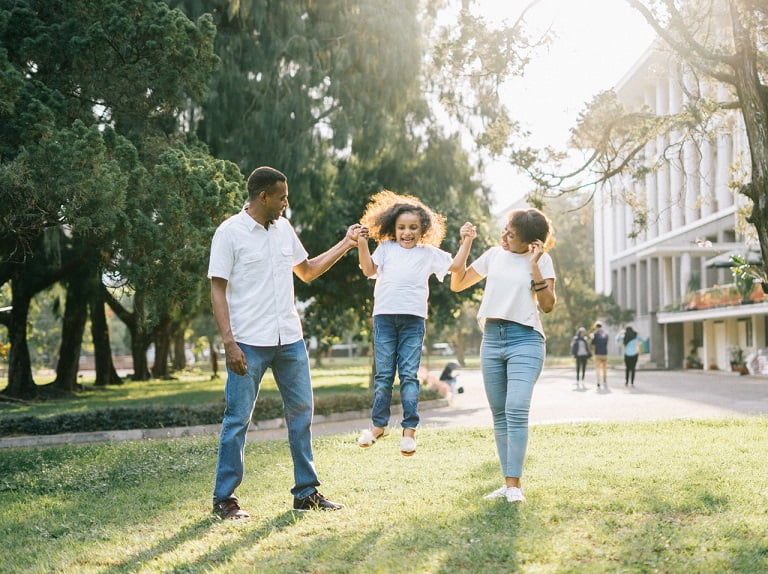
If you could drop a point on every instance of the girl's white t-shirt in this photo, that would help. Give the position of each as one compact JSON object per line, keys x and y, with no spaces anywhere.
{"x":508,"y":294}
{"x":402,"y":277}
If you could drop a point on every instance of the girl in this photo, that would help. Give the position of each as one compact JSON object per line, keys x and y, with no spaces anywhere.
{"x":520,"y":280}
{"x":409,"y":234}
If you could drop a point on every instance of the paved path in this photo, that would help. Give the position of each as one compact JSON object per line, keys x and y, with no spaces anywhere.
{"x":656,"y":395}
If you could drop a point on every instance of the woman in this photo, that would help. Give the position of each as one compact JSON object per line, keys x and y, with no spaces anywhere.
{"x":580,"y":351}
{"x":520,"y":280}
{"x":633,"y":344}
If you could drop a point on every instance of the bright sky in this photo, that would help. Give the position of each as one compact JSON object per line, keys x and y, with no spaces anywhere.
{"x":597,"y":42}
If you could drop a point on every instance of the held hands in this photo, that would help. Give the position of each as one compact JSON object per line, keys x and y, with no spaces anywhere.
{"x":354,"y":233}
{"x":467,"y":231}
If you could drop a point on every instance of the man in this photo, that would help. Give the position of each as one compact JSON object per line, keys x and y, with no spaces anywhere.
{"x":600,"y":344}
{"x":253,"y":256}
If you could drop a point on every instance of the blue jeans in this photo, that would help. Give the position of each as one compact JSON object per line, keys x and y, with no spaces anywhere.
{"x":511,"y":358}
{"x":397,"y":341}
{"x":290,"y":367}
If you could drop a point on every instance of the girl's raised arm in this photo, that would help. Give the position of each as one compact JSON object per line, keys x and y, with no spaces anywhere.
{"x":364,"y":254}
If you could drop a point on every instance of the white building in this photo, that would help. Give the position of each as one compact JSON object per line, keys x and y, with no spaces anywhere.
{"x":662,"y":273}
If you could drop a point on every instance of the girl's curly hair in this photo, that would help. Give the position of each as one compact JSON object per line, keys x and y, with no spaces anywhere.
{"x":385,"y":207}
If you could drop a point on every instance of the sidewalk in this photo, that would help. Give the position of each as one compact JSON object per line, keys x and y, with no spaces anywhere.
{"x":657,"y":395}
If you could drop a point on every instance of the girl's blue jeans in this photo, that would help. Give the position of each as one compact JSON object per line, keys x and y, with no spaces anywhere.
{"x":397,"y":341}
{"x":290,"y":367}
{"x":511,"y":358}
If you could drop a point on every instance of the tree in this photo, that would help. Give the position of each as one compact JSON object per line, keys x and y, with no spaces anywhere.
{"x":343,"y":97}
{"x":717,"y":43}
{"x":81,"y":138}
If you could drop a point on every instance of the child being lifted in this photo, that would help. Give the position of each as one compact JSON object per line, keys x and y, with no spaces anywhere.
{"x":409,"y":235}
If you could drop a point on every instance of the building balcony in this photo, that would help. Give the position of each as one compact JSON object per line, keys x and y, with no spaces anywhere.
{"x":722,"y":296}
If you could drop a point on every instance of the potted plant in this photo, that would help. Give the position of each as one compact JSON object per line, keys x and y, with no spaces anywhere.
{"x":738,"y":365}
{"x":745,"y":274}
{"x":692,"y":361}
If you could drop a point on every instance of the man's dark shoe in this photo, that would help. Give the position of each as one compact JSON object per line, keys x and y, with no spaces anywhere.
{"x":229,"y":509}
{"x":315,"y":501}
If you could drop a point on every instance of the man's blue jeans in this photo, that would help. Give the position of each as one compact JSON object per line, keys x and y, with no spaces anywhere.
{"x":511,"y":358}
{"x":397,"y":341}
{"x":290,"y":367}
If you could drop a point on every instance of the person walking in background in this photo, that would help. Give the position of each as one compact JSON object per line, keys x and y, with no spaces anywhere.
{"x":520,"y":280}
{"x":409,"y":236}
{"x":600,"y":345}
{"x":254,"y":255}
{"x":450,"y":374}
{"x":580,"y":351}
{"x":633,"y":344}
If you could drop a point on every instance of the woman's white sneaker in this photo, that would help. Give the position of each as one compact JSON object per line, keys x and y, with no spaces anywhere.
{"x":500,"y":493}
{"x":514,"y":494}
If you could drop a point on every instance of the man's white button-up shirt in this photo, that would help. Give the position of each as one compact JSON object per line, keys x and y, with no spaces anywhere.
{"x":258,"y":266}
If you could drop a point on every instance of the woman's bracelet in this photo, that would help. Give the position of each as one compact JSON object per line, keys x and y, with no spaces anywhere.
{"x":542,"y":287}
{"x":535,"y":284}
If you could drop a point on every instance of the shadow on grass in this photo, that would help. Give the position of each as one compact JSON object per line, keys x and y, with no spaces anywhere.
{"x":136,"y":562}
{"x":440,"y":544}
{"x":221,"y":554}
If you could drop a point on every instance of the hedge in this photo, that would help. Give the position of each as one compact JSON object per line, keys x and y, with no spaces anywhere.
{"x":126,"y":418}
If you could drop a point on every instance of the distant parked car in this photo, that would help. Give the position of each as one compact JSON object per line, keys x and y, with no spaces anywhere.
{"x":442,"y":349}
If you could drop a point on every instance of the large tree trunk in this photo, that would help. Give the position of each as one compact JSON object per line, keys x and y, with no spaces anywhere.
{"x":140,"y":340}
{"x":162,"y":348}
{"x":21,"y":385}
{"x":754,"y":108}
{"x":214,"y":359}
{"x":179,"y":351}
{"x":106,"y":374}
{"x":72,"y":329}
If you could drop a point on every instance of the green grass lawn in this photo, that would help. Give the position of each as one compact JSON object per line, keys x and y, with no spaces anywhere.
{"x":679,"y":496}
{"x":187,"y":388}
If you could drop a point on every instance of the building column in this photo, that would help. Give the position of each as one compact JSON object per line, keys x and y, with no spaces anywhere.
{"x":663,"y":194}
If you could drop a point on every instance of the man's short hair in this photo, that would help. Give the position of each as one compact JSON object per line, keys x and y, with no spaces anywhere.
{"x":261,"y":179}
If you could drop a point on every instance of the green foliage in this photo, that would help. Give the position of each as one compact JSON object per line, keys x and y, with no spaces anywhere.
{"x":93,"y":149}
{"x":335,"y":95}
{"x":745,"y":274}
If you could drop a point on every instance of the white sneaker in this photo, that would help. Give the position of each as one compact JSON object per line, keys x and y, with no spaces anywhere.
{"x":500,"y":493}
{"x":514,"y":494}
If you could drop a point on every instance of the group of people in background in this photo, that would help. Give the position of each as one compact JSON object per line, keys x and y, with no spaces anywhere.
{"x":254,"y":255}
{"x":583,"y":346}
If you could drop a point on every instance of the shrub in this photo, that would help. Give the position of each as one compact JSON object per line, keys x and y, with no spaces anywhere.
{"x":126,"y":418}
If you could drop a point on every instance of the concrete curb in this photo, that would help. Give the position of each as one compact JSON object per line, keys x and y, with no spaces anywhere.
{"x":256,"y":429}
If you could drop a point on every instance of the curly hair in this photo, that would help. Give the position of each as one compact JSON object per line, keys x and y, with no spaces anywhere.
{"x":385,"y":207}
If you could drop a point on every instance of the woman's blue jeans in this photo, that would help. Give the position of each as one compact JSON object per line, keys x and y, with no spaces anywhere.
{"x":397,"y":341}
{"x":511,"y":358}
{"x":290,"y":367}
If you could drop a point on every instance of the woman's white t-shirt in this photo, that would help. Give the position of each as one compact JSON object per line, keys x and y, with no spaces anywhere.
{"x":402,"y":277}
{"x":508,"y":294}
